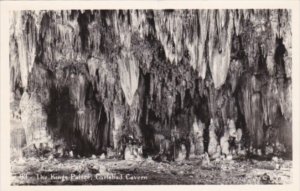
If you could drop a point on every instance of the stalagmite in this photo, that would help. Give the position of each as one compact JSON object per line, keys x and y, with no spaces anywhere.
{"x":231,"y":128}
{"x":239,"y":135}
{"x":198,"y":128}
{"x":224,"y":142}
{"x":218,"y":153}
{"x":129,"y":153}
{"x":117,"y":131}
{"x":182,"y":153}
{"x":213,"y":143}
{"x":34,"y":120}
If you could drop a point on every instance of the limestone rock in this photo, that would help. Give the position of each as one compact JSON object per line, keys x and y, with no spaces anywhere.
{"x":198,"y":139}
{"x":213,"y":143}
{"x":181,"y":153}
{"x":225,"y":144}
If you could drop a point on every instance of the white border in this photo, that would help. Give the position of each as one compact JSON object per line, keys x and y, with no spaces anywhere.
{"x":44,"y":5}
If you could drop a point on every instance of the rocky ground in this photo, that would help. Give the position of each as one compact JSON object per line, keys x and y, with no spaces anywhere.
{"x":97,"y":171}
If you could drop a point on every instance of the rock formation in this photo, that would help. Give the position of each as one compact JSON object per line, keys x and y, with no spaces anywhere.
{"x":85,"y":79}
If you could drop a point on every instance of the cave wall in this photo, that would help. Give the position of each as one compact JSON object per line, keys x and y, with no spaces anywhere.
{"x":90,"y":77}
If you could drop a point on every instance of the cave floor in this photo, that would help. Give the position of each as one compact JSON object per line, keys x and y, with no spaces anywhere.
{"x":96,"y":171}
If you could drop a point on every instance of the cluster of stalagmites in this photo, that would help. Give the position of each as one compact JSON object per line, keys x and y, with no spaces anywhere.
{"x":167,"y":83}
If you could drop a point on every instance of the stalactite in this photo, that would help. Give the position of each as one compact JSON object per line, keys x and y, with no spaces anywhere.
{"x":129,"y":76}
{"x":220,"y":33}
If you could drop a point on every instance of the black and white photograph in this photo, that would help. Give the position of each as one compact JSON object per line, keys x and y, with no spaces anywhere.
{"x":150,"y":96}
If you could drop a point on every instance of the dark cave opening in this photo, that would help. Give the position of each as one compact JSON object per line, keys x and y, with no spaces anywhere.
{"x":147,"y":117}
{"x":65,"y":123}
{"x":201,"y":111}
{"x":280,"y":51}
